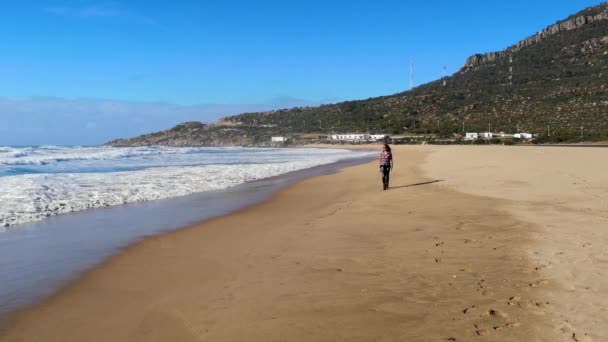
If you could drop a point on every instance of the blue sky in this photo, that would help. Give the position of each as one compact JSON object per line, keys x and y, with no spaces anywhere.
{"x":84,"y":72}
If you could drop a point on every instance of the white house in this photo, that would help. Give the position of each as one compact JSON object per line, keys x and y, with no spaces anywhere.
{"x":523,"y":135}
{"x":485,"y":134}
{"x":378,"y":137}
{"x":504,"y":135}
{"x":359,"y":137}
{"x":278,"y":139}
{"x":471,"y":136}
{"x":351,"y":137}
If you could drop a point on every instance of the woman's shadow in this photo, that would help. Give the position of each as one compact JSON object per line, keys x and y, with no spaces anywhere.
{"x":416,"y":184}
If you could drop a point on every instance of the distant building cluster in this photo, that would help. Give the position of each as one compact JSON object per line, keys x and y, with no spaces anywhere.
{"x":359,"y":137}
{"x":490,"y":135}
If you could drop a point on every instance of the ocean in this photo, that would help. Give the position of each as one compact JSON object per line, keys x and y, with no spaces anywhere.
{"x":64,"y":210}
{"x":40,"y":182}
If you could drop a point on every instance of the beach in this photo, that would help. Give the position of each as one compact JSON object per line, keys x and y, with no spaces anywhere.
{"x":469,"y":243}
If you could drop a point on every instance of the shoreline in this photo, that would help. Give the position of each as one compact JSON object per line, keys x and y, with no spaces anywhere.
{"x":329,"y":258}
{"x":109,"y":231}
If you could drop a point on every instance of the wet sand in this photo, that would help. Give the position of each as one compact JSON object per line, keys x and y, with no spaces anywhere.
{"x":38,"y":258}
{"x":335,"y":258}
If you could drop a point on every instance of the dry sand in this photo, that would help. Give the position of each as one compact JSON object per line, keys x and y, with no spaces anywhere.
{"x":470,"y":243}
{"x":563,"y":192}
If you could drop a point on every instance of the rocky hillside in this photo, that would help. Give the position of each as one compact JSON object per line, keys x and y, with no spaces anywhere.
{"x":199,"y":134}
{"x":575,"y":22}
{"x":557,"y":78}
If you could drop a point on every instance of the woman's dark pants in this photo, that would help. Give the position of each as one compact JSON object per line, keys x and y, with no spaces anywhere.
{"x":386,"y":170}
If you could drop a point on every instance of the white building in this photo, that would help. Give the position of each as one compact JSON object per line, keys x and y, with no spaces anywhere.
{"x":378,"y":137}
{"x":504,"y":135}
{"x":351,"y":137}
{"x":486,"y":135}
{"x":523,"y":135}
{"x":358,"y":137}
{"x":278,"y":139}
{"x":471,"y":136}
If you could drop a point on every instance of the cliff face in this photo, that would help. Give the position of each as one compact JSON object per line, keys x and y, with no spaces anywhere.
{"x":595,"y":14}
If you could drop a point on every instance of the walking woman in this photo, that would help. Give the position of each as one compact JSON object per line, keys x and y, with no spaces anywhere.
{"x":386,"y":165}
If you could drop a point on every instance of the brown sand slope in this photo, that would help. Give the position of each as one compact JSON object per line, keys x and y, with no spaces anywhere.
{"x":332,"y":258}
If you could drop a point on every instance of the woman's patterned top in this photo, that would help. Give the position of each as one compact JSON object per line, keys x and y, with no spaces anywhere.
{"x":385,"y":158}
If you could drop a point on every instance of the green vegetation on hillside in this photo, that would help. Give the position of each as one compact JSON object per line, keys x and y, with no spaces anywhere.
{"x":559,"y":84}
{"x":560,"y":81}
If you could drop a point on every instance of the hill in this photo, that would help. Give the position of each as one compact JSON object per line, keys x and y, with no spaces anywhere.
{"x":556,"y":79}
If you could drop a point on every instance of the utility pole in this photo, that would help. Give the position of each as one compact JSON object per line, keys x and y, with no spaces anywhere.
{"x":548,"y":131}
{"x":489,"y":127}
{"x":445,"y":82}
{"x":463,"y":127}
{"x":582,"y":132}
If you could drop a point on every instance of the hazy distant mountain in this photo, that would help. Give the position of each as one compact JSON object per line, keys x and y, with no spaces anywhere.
{"x":559,"y":78}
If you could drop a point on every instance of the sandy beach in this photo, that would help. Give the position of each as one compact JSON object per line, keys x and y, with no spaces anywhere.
{"x":470,"y":243}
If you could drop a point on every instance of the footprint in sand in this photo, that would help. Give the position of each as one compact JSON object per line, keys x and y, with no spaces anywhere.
{"x":512,"y":324}
{"x":479,"y":331}
{"x":483,"y":288}
{"x":539,"y":304}
{"x":466,"y":310}
{"x":493,"y":320}
{"x":496,"y":313}
{"x":537,"y":307}
{"x":569,"y":332}
{"x":537,"y":283}
{"x":330,"y":270}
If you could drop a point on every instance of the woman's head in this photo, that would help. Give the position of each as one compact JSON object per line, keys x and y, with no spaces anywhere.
{"x":386,"y":148}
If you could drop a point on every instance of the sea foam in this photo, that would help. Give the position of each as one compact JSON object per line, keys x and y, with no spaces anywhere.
{"x":39,"y":182}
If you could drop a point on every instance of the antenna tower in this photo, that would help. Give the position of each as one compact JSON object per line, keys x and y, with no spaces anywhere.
{"x":412,"y":75}
{"x":510,"y":70}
